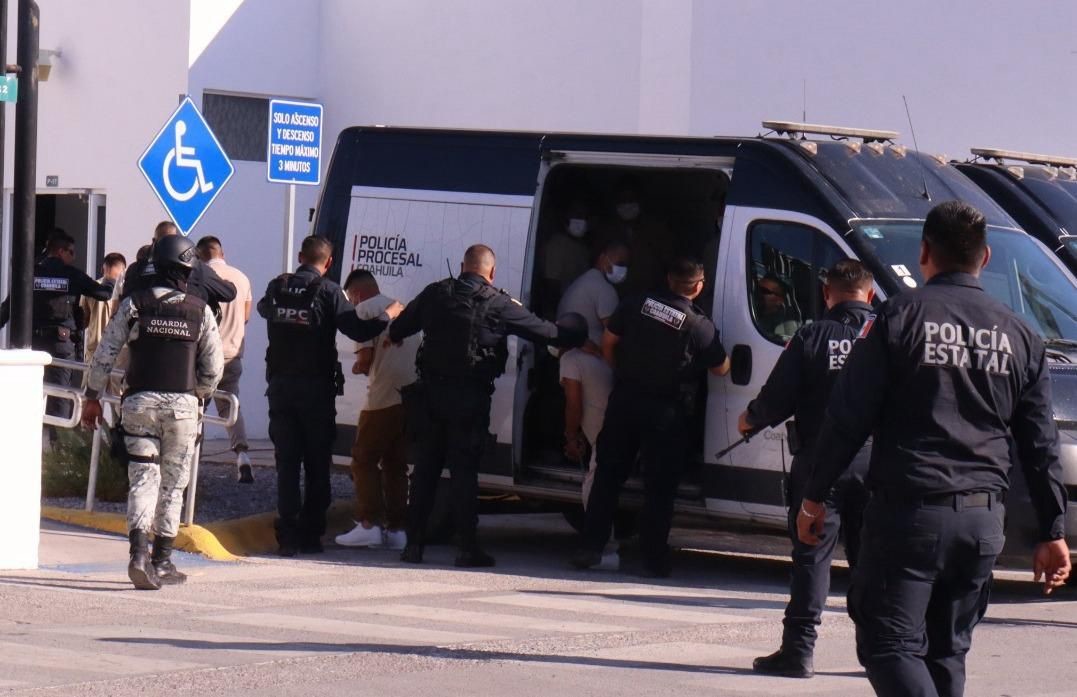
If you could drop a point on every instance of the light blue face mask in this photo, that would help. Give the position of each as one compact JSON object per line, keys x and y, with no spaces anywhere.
{"x":617,"y":274}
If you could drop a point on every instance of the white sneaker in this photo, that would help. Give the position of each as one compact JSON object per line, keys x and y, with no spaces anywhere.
{"x":396,"y":539}
{"x":361,"y":537}
{"x":611,"y":561}
{"x":244,"y":472}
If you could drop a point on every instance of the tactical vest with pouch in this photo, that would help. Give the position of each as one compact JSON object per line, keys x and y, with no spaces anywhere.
{"x":164,"y":354}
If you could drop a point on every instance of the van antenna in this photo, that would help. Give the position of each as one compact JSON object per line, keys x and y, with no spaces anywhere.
{"x":923,"y":168}
{"x":449,"y":267}
{"x":804,"y":103}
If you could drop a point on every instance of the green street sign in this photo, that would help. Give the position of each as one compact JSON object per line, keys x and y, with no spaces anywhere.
{"x":9,"y":88}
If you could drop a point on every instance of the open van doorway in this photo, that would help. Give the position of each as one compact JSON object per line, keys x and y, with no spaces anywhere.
{"x":659,"y":213}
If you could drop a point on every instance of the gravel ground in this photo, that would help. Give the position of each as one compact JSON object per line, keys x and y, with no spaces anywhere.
{"x":220,"y":496}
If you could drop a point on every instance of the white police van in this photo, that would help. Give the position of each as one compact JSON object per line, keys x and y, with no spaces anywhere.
{"x":405,"y":203}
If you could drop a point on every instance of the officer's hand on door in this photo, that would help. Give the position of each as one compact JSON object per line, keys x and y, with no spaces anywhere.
{"x":810,"y":522}
{"x":91,"y":414}
{"x":1051,"y":561}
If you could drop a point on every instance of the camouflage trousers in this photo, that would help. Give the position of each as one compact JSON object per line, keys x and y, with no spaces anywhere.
{"x":160,"y":428}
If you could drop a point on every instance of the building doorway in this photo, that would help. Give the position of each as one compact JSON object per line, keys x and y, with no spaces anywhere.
{"x":81,"y":215}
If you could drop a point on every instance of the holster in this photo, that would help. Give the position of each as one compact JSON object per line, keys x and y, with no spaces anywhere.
{"x":415,"y":400}
{"x":338,"y":379}
{"x":793,"y":437}
{"x":117,"y":443}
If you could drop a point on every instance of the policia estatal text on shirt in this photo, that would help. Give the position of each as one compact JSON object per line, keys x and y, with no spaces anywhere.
{"x":303,"y":311}
{"x":942,"y":433}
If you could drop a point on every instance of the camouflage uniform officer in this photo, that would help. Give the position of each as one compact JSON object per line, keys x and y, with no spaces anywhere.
{"x":175,"y":360}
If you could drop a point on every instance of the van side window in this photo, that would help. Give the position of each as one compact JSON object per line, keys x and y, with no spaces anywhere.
{"x":785,"y":262}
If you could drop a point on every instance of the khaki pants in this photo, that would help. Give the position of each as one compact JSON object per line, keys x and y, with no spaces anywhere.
{"x":381,"y":492}
{"x":237,"y":434}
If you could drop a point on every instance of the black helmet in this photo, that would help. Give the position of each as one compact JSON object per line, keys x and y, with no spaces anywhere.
{"x":573,"y":328}
{"x":175,"y":251}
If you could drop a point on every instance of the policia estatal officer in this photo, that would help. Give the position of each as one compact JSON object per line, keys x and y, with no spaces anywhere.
{"x":176,"y":360}
{"x":799,"y":386}
{"x":303,"y":312}
{"x":203,"y":282}
{"x":465,"y":322}
{"x":944,"y":379}
{"x":660,"y":345}
{"x":57,"y":288}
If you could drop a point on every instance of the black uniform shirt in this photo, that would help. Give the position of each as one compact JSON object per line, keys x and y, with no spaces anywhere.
{"x":800,"y":383}
{"x":504,"y":316}
{"x":57,"y":288}
{"x":943,"y":378}
{"x":203,"y":282}
{"x":666,"y":343}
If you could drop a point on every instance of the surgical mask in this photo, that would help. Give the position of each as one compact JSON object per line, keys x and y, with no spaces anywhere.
{"x":577,"y":227}
{"x":617,"y":274}
{"x":628,"y":211}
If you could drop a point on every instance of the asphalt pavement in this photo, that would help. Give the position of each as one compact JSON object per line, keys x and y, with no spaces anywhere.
{"x":358,"y":622}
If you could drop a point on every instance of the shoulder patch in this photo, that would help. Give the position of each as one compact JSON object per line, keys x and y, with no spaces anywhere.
{"x":669,"y":316}
{"x":866,"y":327}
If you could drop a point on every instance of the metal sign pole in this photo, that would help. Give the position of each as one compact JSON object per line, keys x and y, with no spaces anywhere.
{"x":25,"y":181}
{"x":192,"y":484}
{"x":289,"y":227}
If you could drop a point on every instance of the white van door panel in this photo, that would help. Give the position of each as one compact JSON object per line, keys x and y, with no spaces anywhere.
{"x":767,"y":452}
{"x":410,"y":238}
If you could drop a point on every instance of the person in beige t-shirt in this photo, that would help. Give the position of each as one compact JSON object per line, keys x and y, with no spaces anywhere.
{"x":232,"y":323}
{"x":379,"y":454}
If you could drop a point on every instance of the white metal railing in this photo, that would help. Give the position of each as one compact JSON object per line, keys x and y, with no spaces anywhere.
{"x":111,"y":403}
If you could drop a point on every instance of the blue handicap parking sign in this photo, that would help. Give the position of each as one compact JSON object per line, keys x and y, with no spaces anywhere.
{"x":186,"y":166}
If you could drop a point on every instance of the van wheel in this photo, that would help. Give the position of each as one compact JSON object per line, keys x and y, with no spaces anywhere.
{"x":441,"y":526}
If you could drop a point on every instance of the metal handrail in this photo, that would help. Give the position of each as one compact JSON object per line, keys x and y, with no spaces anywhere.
{"x":77,"y":400}
{"x":113,"y":402}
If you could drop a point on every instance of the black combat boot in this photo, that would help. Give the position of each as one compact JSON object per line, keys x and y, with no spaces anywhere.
{"x":140,"y":570}
{"x":785,"y":665}
{"x":471,"y":555}
{"x":413,"y":553}
{"x":167,"y":573}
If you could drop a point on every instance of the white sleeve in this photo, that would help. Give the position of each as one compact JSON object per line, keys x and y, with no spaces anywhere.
{"x":570,"y":366}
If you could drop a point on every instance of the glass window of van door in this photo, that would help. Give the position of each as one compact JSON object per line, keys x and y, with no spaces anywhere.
{"x":785,"y":264}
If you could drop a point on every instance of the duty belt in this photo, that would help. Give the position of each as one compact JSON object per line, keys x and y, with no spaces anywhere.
{"x":959,"y":501}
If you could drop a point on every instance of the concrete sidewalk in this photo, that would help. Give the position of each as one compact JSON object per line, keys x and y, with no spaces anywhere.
{"x":75,"y":550}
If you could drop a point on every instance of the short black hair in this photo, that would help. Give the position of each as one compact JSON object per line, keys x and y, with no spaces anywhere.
{"x":358,"y":276}
{"x":316,"y":250}
{"x":848,"y":276}
{"x":143,"y":253}
{"x":114,"y":259}
{"x":164,"y":229}
{"x":58,"y":241}
{"x":684,"y":274}
{"x":956,"y":235}
{"x":209,"y":242}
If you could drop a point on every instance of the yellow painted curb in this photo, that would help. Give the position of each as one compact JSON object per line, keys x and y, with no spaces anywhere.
{"x":224,"y":540}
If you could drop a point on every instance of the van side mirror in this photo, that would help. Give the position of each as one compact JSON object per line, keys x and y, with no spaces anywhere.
{"x":741,"y":364}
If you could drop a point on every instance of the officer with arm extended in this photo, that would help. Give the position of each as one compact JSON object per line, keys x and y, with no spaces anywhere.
{"x":465,"y":322}
{"x":203,"y":283}
{"x":175,"y":361}
{"x":944,"y":379}
{"x":303,"y":312}
{"x":660,"y":345}
{"x":799,"y":385}
{"x":57,"y":288}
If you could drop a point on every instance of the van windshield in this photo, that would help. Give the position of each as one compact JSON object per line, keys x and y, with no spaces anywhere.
{"x":1021,"y":273}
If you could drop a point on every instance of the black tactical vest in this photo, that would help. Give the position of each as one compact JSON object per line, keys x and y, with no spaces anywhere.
{"x":658,"y":356}
{"x":459,"y":341}
{"x":297,"y":343}
{"x":54,"y":304}
{"x":164,"y":355}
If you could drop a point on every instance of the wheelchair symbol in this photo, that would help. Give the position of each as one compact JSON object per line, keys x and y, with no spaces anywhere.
{"x":183,"y":156}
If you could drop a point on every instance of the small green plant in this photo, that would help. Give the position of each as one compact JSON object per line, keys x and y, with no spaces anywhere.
{"x":65,"y":468}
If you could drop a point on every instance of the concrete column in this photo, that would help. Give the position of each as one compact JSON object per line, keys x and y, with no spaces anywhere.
{"x":23,"y":403}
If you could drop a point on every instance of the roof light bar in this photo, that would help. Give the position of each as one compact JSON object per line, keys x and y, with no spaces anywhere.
{"x":1029,"y":157}
{"x":793,"y":128}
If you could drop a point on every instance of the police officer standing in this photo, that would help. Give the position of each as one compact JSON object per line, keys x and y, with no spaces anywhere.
{"x":203,"y":282}
{"x":57,"y":288}
{"x":303,"y":311}
{"x":660,"y":345}
{"x":465,"y":322}
{"x":799,"y":386}
{"x":175,"y":361}
{"x":946,"y":379}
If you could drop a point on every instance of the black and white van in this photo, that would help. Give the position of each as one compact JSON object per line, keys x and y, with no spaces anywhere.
{"x":405,"y":203}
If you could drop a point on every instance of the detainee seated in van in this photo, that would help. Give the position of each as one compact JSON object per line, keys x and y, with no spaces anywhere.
{"x":774,"y":313}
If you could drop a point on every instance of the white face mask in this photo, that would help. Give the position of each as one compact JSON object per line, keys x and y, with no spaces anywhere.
{"x":617,"y":274}
{"x":577,"y":227}
{"x":628,"y":211}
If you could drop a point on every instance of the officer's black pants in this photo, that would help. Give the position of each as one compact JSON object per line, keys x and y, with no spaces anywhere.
{"x":56,"y":375}
{"x":302,"y":425}
{"x":809,"y":583}
{"x":655,"y":430}
{"x":455,"y":432}
{"x":920,"y":588}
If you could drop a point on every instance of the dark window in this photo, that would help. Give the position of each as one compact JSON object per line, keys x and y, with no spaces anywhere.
{"x":241,"y":124}
{"x":784,"y":287}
